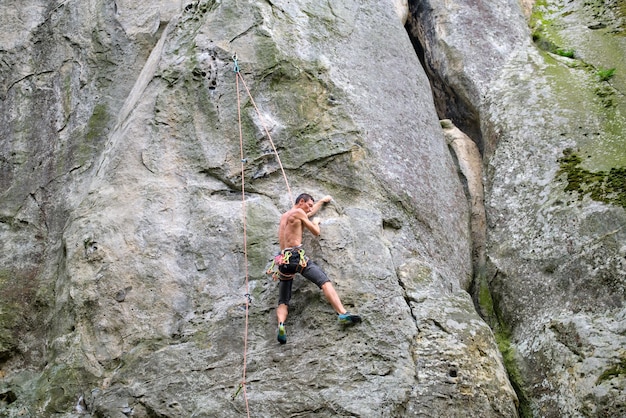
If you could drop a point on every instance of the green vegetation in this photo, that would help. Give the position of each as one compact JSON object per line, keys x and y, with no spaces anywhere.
{"x":605,"y":74}
{"x":544,"y":43}
{"x":541,"y":39}
{"x":602,"y":186}
{"x":10,"y":312}
{"x":58,"y":386}
{"x":502,"y":334}
{"x":543,"y":36}
{"x":97,"y":123}
{"x":7,"y":338}
{"x":547,"y":36}
{"x":567,"y":53}
{"x":503,"y":339}
{"x":614,"y":371}
{"x":606,"y":94}
{"x":259,"y":224}
{"x":82,"y":147}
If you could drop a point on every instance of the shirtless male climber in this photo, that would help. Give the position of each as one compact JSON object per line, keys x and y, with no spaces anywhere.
{"x":292,"y":260}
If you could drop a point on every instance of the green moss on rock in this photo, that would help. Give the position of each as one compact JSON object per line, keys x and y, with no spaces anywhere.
{"x":83,"y":147}
{"x":59,"y":387}
{"x":602,"y":186}
{"x":503,"y":339}
{"x":502,"y":335}
{"x":261,"y":225}
{"x":7,"y":323}
{"x":16,"y":288}
{"x":616,"y":370}
{"x":97,"y":123}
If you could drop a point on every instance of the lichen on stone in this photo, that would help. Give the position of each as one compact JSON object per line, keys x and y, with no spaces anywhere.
{"x":602,"y":186}
{"x":616,"y":370}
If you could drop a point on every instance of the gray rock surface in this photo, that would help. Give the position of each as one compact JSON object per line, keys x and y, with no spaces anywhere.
{"x":123,"y":268}
{"x":555,"y":228}
{"x":125,"y":154}
{"x":468,"y":158}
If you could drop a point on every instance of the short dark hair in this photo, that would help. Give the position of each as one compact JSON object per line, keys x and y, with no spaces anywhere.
{"x":304,"y":196}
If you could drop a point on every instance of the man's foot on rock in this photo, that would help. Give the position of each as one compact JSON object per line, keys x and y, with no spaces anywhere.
{"x":348,"y":318}
{"x":282,"y":334}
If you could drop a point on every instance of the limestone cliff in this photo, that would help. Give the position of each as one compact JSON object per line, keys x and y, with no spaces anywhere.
{"x":132,"y":266}
{"x":546,"y":106}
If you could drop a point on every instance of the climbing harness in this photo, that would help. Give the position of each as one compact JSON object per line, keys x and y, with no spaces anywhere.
{"x":238,"y":77}
{"x":284,"y":259}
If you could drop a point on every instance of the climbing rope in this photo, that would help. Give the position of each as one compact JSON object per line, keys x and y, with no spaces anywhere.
{"x":263,"y":124}
{"x":242,"y":386}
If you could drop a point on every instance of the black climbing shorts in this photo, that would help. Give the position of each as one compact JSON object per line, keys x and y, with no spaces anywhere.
{"x":311,"y":272}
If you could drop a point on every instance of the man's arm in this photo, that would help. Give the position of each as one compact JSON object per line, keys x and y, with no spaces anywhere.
{"x":312,"y":226}
{"x":318,"y":205}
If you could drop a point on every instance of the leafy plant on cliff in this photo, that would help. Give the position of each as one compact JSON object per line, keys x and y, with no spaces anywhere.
{"x":567,"y":53}
{"x":605,"y":74}
{"x":543,"y":35}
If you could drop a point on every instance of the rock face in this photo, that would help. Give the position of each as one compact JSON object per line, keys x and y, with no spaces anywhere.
{"x":469,"y":161}
{"x":549,"y":119}
{"x":132,"y":262}
{"x":123,"y":217}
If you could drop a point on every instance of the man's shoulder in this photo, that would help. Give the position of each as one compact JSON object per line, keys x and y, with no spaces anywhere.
{"x":295,"y":213}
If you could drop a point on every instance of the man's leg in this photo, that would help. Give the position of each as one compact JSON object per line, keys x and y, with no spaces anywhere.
{"x":284,"y":296}
{"x":333,"y":298}
{"x":345,"y":317}
{"x":281,"y":313}
{"x":315,"y":274}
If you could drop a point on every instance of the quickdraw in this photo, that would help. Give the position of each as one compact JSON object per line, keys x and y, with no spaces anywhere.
{"x":283,"y":258}
{"x":237,"y":392}
{"x":302,"y":262}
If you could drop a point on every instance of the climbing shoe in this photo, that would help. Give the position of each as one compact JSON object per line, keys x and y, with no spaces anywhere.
{"x":348,"y":318}
{"x":282,"y":335}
